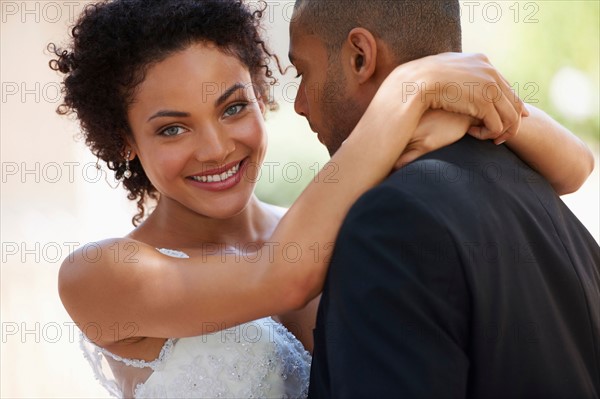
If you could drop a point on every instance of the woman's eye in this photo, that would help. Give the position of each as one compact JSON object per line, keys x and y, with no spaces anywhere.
{"x":234,"y":110}
{"x":171,"y":131}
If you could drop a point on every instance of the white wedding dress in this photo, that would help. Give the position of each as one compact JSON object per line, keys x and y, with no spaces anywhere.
{"x":259,"y":359}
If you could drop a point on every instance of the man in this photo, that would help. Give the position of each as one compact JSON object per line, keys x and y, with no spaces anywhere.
{"x":461,"y":275}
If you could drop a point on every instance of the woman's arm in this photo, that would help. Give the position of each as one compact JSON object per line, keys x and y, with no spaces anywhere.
{"x":553,"y":151}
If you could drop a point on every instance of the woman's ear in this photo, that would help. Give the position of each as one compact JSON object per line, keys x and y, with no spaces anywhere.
{"x":128,"y":154}
{"x":129,"y":150}
{"x":261,"y":105}
{"x":362,"y":52}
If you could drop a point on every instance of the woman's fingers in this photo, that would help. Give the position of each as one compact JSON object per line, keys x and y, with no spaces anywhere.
{"x":511,"y":117}
{"x":483,"y":133}
{"x":519,"y":104}
{"x":490,"y":97}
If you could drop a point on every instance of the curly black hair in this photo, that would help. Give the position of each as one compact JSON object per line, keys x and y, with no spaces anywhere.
{"x":113,"y":44}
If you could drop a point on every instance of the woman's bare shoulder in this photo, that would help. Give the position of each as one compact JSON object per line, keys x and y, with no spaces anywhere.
{"x":98,"y":267}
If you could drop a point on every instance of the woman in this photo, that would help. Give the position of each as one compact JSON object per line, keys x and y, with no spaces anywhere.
{"x":171,"y":94}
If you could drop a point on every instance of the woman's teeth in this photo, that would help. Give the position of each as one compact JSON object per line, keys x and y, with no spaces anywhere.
{"x":217,"y":178}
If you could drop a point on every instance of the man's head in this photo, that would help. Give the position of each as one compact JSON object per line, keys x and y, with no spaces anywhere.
{"x":344,"y":49}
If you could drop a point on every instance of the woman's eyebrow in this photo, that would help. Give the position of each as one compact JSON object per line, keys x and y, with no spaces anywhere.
{"x":223,"y":97}
{"x":169,"y":113}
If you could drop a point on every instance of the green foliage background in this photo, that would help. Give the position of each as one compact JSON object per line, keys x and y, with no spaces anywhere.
{"x":567,"y":34}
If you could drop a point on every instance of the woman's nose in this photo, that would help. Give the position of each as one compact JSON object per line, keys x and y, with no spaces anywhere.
{"x":214,"y":145}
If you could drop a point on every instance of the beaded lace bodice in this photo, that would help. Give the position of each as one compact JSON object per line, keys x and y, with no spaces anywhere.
{"x":258,"y":359}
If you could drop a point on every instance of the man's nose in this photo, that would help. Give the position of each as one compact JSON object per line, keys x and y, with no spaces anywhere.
{"x":300,"y":104}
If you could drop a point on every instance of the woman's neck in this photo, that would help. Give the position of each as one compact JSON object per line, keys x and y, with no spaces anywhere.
{"x":174,"y":226}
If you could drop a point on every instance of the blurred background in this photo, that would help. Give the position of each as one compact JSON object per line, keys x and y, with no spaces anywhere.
{"x":54,"y":199}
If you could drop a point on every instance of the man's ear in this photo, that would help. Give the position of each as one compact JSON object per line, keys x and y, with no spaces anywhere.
{"x":362,"y":51}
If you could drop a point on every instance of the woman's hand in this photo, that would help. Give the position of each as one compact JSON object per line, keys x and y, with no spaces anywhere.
{"x":466,"y":84}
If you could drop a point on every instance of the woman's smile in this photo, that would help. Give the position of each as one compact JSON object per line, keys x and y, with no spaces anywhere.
{"x":220,"y":179}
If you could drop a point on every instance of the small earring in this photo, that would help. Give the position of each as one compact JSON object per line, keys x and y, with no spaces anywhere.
{"x":127,"y":173}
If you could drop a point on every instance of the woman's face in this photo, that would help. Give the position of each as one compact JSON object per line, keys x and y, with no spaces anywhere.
{"x":199,"y":131}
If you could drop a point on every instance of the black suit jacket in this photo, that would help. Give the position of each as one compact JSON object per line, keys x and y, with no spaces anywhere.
{"x":461,"y":275}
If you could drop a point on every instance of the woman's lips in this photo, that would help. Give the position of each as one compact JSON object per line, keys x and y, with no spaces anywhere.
{"x":222,"y":178}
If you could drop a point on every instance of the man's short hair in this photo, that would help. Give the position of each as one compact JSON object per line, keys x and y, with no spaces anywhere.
{"x":412,"y":28}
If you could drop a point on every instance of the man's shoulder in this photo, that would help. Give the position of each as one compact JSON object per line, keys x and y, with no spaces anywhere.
{"x":470,"y":165}
{"x":456,"y":182}
{"x":387,"y":203}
